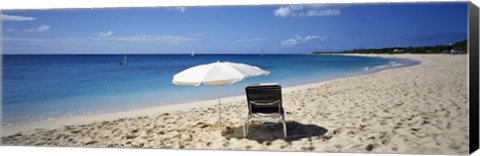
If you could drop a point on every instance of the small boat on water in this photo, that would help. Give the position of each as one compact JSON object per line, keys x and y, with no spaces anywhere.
{"x":193,"y":52}
{"x":124,"y":62}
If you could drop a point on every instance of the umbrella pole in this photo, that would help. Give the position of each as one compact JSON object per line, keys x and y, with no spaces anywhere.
{"x":219,"y":108}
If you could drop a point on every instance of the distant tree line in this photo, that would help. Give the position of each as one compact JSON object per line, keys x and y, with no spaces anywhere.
{"x":457,"y":48}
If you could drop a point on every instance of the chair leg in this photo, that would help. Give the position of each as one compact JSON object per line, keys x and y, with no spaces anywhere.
{"x":245,"y":127}
{"x":284,"y":129}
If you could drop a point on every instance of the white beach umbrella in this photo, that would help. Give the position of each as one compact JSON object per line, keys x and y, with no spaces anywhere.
{"x":217,"y":74}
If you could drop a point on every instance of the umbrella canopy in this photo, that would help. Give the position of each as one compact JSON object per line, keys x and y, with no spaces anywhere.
{"x":217,"y":74}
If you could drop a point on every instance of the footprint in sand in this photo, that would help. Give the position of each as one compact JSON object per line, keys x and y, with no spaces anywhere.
{"x":369,"y":147}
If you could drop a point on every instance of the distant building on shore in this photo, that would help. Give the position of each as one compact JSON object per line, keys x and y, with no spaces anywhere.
{"x":453,"y":51}
{"x":398,"y":50}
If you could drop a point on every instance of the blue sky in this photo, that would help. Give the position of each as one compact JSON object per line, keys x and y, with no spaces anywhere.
{"x":232,"y":29}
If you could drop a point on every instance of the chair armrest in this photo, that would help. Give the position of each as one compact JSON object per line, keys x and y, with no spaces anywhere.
{"x":261,"y":103}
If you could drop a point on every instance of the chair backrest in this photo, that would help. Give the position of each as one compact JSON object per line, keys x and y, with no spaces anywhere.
{"x":264,"y":98}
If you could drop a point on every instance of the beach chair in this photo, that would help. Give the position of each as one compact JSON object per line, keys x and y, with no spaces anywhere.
{"x":264,"y":103}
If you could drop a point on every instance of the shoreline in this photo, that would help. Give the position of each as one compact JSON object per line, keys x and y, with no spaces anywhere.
{"x":54,"y":123}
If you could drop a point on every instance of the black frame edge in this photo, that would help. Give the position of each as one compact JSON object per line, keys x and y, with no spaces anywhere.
{"x":473,"y":51}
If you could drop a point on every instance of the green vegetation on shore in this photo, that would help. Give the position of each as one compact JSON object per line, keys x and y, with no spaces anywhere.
{"x":457,"y":48}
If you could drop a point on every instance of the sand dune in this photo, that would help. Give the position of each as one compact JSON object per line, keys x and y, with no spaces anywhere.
{"x":419,"y":109}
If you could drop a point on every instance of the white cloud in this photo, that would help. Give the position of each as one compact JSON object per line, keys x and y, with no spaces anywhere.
{"x":329,"y":5}
{"x":326,"y":12}
{"x":41,"y":28}
{"x":105,"y":34}
{"x":14,"y":39}
{"x":181,"y":9}
{"x":169,"y":39}
{"x":301,"y":11}
{"x":49,"y":45}
{"x":298,"y":40}
{"x":6,"y":17}
{"x":288,"y":10}
{"x":251,"y":40}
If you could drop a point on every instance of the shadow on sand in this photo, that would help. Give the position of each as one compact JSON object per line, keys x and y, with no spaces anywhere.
{"x":269,"y":131}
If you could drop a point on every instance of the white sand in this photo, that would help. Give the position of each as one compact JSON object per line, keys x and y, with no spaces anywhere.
{"x":419,"y":109}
